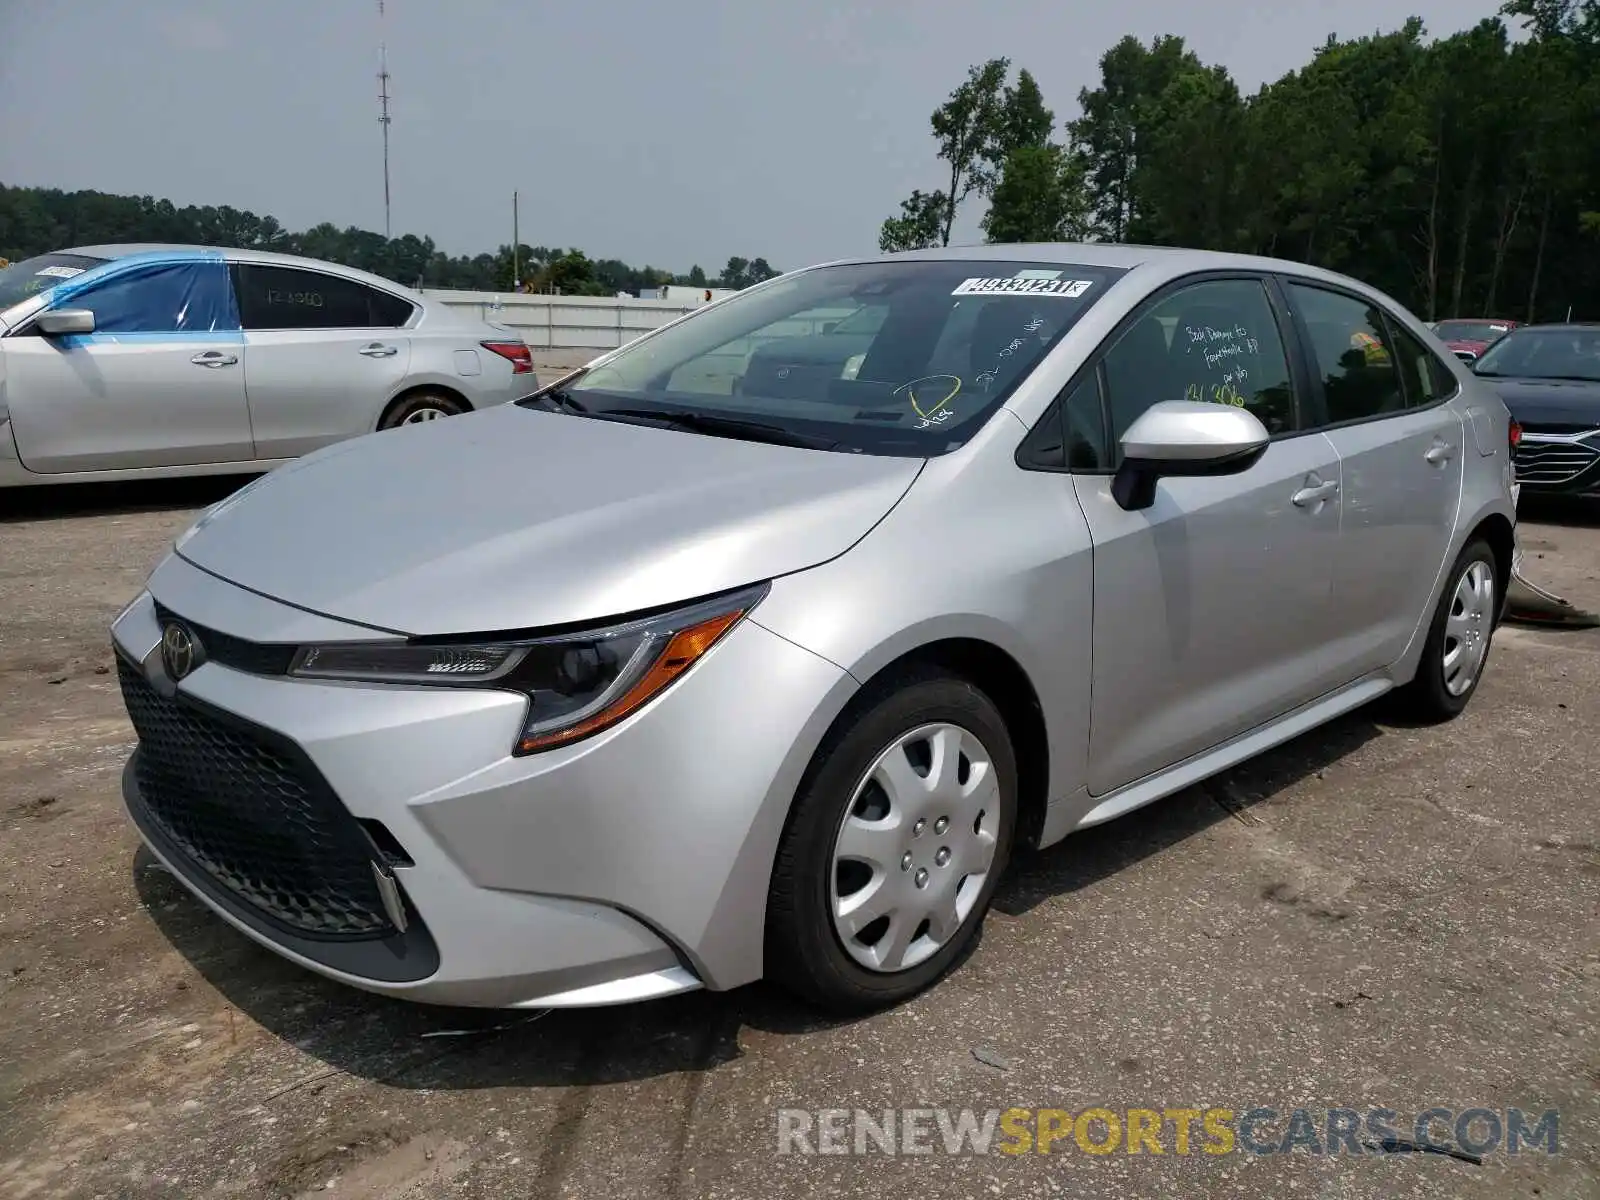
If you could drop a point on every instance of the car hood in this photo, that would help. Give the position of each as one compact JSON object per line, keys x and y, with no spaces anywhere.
{"x":512,"y":518}
{"x":1550,"y":404}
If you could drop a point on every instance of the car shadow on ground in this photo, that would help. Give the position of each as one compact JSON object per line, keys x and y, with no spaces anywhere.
{"x":1558,"y":510}
{"x":413,"y":1046}
{"x":60,"y":501}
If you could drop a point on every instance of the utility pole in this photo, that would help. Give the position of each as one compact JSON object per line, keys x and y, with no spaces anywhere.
{"x":516,"y":248}
{"x":383,"y":114}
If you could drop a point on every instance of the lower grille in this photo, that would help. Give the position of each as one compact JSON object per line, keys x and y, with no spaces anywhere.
{"x":1553,"y":462}
{"x":265,"y":827}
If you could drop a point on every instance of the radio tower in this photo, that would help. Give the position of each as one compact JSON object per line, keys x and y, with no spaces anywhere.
{"x":383,"y":113}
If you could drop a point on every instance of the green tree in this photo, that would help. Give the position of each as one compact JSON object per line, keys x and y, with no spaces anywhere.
{"x":967,"y":127}
{"x":1040,"y":198}
{"x":918,"y":226}
{"x":1023,"y":119}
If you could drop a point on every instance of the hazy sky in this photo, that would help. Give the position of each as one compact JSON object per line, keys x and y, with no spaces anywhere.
{"x":661,"y":131}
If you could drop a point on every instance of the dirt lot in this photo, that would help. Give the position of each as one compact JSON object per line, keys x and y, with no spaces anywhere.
{"x":1374,"y":916}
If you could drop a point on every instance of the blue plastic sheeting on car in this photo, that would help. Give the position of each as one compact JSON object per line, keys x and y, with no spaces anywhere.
{"x":155,"y":297}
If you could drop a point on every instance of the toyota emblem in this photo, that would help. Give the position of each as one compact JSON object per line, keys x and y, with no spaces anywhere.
{"x":180,"y":651}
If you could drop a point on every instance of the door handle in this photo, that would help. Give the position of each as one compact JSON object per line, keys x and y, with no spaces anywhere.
{"x":1440,"y":452}
{"x":378,"y":350}
{"x":1306,"y":497}
{"x":214,"y":358}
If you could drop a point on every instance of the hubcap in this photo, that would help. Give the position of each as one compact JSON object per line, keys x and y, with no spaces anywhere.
{"x":1468,"y":627}
{"x":423,"y":414}
{"x":915,"y":847}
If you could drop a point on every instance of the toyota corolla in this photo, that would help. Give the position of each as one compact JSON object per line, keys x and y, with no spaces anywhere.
{"x":684,"y":672}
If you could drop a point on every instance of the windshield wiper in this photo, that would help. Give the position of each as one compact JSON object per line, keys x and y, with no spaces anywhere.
{"x":693,"y":421}
{"x":561,"y":400}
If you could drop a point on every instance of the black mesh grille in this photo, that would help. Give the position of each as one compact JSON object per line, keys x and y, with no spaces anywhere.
{"x":260,"y":824}
{"x":257,"y":658}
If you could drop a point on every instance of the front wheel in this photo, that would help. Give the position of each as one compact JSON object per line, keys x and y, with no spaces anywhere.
{"x":1458,"y":639}
{"x":898,"y":838}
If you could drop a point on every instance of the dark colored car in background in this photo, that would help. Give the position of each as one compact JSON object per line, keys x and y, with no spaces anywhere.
{"x":1469,"y":338}
{"x":1549,"y":377}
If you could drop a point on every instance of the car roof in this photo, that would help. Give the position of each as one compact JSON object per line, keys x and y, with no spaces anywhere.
{"x":274,"y":258}
{"x":1170,"y":261}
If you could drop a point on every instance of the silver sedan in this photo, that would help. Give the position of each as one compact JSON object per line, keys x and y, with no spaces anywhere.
{"x":129,"y":361}
{"x":767,"y":638}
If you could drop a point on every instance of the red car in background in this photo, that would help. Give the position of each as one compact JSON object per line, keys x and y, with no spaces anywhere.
{"x":1468,"y":338}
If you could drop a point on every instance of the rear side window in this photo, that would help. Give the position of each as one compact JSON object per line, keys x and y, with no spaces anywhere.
{"x":1351,"y":354}
{"x":288,"y":298}
{"x":1215,"y":342}
{"x":1425,"y":379}
{"x":186,"y":297}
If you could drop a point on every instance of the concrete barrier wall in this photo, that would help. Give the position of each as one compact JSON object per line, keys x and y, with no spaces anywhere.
{"x":596,"y":323}
{"x":566,"y":322}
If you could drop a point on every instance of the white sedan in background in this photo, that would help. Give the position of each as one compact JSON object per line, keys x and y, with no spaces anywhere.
{"x":134,"y":361}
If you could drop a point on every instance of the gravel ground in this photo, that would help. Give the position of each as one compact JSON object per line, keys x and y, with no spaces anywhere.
{"x":1372,"y":916}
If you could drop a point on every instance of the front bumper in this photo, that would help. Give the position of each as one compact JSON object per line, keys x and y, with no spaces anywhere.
{"x":1551,"y":464}
{"x":630,"y":865}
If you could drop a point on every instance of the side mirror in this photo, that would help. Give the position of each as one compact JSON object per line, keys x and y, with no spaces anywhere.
{"x":1185,"y":437}
{"x":829,"y":326}
{"x":62,"y":321}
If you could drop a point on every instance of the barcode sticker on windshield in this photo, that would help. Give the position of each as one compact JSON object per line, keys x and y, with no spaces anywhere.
{"x":1068,"y":288}
{"x":60,"y":272}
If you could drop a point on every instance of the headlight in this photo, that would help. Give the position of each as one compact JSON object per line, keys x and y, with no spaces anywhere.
{"x":576,"y":683}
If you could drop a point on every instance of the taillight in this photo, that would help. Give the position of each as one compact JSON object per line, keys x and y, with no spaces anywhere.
{"x":520,"y":357}
{"x":1514,"y":433}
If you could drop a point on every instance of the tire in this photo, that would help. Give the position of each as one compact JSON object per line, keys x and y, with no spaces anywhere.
{"x":1437,"y":692}
{"x":917,"y":721}
{"x":417,"y":407}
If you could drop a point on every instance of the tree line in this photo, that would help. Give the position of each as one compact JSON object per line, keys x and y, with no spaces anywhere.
{"x":37,"y":220}
{"x":1460,"y":175}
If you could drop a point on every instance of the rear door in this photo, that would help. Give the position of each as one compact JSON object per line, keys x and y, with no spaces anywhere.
{"x":1209,"y":605}
{"x":1382,"y":400}
{"x":159,"y":383}
{"x":326,"y":353}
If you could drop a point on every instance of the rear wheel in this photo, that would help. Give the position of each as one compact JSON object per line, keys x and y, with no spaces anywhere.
{"x":419,"y":407}
{"x":896,"y":843}
{"x":1458,"y":639}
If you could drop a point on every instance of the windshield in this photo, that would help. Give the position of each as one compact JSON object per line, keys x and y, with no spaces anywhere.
{"x":1470,"y":331}
{"x":22,"y":280}
{"x":1545,"y":354}
{"x":899,"y":358}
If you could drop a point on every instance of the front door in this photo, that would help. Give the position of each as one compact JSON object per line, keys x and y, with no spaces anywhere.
{"x":1382,"y":405}
{"x":160,"y":383}
{"x":1208,"y":606}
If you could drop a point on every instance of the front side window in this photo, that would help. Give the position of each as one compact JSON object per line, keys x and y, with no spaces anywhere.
{"x":273,"y":297}
{"x":1571,"y":353}
{"x":181,"y":297}
{"x":1215,"y":342}
{"x":904,"y":358}
{"x":1351,"y":355}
